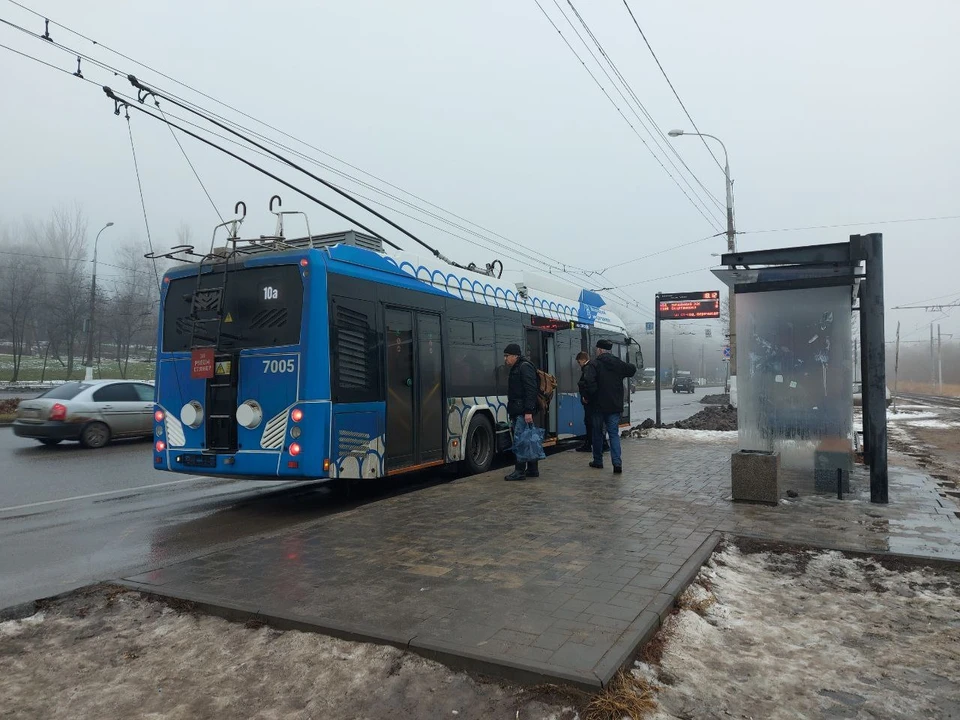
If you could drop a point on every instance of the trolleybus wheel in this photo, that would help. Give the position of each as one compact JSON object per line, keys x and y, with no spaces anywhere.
{"x":478,"y":447}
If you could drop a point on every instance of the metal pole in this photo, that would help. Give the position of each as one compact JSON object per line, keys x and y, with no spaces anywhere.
{"x":939,"y":364}
{"x":88,"y":373}
{"x":896,"y":369}
{"x":864,"y":374}
{"x":656,"y":356}
{"x":933,"y":359}
{"x":875,"y":382}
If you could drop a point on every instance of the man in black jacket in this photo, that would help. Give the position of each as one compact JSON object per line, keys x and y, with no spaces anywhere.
{"x":604,"y":378}
{"x":522,"y":389}
{"x":583,"y":360}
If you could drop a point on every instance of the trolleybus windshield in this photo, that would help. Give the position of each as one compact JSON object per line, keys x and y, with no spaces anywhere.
{"x":262,"y":307}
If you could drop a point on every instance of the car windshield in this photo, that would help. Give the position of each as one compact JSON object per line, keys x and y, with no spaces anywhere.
{"x":67,"y":391}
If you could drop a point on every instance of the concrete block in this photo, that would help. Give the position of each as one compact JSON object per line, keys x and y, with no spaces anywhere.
{"x":755,"y":476}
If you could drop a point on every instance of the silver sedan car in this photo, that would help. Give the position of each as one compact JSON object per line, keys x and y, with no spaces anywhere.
{"x":92,"y":412}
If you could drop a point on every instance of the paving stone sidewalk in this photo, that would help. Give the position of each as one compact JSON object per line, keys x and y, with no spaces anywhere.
{"x":559,"y":578}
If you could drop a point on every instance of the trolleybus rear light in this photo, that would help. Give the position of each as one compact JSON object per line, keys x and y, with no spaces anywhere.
{"x":296,"y":415}
{"x":326,"y":464}
{"x":160,"y":446}
{"x":294,"y":449}
{"x":158,"y":415}
{"x":293,"y":464}
{"x":304,"y":262}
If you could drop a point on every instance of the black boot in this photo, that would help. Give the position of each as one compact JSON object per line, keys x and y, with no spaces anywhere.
{"x":519,"y":472}
{"x":533,"y":469}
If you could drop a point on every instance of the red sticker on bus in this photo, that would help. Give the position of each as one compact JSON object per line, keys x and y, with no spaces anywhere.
{"x":201,"y":364}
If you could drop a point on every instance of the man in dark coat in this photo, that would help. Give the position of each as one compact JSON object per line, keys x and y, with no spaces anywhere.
{"x":522,"y":389}
{"x":583,"y":360}
{"x":604,"y":384}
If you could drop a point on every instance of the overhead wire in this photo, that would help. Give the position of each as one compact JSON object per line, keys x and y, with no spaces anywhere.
{"x":623,"y":296}
{"x":662,"y":142}
{"x":593,"y":77}
{"x":853,"y":224}
{"x":512,"y":242}
{"x":672,"y":88}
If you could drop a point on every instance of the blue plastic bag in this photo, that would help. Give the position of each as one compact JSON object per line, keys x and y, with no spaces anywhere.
{"x":527,"y":441}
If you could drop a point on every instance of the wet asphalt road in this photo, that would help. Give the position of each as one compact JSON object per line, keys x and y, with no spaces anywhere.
{"x":70,"y":516}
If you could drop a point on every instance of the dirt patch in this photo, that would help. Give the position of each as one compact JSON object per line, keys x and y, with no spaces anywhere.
{"x":108,"y":652}
{"x":710,"y":418}
{"x":809,"y":633}
{"x":721,"y":399}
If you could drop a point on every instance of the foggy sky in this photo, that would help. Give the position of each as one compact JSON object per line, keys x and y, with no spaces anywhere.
{"x":832,"y":113}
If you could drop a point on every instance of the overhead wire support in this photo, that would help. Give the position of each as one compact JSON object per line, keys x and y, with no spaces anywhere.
{"x":123,"y":101}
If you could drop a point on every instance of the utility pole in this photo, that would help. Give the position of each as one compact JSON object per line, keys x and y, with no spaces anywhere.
{"x":731,"y":248}
{"x":896,"y":369}
{"x":933,"y":359}
{"x":939,"y":364}
{"x":88,"y":373}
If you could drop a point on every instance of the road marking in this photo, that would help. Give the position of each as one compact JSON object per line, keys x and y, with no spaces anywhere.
{"x":101,"y":494}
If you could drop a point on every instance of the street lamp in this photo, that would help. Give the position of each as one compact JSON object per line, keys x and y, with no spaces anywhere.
{"x":731,"y":243}
{"x":88,"y":374}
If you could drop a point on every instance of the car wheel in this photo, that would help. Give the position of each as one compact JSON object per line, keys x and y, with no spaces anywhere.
{"x":50,"y":442}
{"x":95,"y":435}
{"x":478,"y":448}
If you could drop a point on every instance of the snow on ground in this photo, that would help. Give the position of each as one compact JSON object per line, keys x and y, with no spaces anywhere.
{"x":910,"y":416}
{"x":811,"y":634}
{"x":111,"y":654}
{"x":695,"y":435}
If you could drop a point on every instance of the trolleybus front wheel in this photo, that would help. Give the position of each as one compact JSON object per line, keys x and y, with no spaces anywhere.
{"x":478,"y":450}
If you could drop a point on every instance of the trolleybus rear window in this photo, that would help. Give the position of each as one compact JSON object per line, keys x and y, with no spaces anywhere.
{"x":262,"y":307}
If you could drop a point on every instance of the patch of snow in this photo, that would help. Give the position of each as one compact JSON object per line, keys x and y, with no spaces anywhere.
{"x":696,"y":435}
{"x":932,"y":424}
{"x":10,"y":628}
{"x":911,"y":417}
{"x":812,"y":634}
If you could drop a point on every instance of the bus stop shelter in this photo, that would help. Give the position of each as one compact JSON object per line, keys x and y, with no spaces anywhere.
{"x":795,"y":351}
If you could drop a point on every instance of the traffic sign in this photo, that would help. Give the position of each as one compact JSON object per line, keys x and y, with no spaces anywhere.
{"x":726,"y":352}
{"x":649,"y":328}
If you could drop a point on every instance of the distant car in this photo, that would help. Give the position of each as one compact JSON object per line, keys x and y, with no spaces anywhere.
{"x":684,"y":383}
{"x":858,"y":395}
{"x":91,"y":412}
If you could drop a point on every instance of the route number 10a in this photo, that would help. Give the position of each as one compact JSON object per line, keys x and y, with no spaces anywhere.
{"x":270,"y":293}
{"x":279,"y":366}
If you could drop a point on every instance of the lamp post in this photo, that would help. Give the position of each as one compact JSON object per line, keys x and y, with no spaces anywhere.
{"x":88,"y":374}
{"x":731,"y":245}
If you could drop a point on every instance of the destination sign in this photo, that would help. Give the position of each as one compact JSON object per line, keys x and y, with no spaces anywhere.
{"x":689,"y":306}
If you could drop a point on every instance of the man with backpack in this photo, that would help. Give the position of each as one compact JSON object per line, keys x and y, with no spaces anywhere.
{"x":523,"y":387}
{"x":604,"y":378}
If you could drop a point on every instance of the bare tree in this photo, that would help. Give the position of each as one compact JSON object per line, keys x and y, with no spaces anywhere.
{"x":63,"y":239}
{"x":132,"y":305}
{"x":20,"y":288}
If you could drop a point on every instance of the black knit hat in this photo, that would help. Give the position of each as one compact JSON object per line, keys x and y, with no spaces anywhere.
{"x":604,"y":344}
{"x":512,"y":349}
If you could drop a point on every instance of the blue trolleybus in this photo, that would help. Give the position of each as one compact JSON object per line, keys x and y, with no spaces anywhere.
{"x":326,"y":358}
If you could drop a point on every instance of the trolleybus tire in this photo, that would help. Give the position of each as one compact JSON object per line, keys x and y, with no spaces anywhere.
{"x":478,"y":446}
